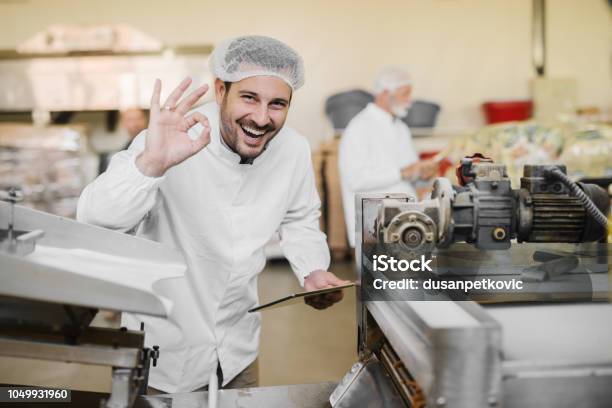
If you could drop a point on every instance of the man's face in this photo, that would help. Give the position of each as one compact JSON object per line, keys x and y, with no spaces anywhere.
{"x":133,"y":121}
{"x":253,"y":111}
{"x":402,"y":95}
{"x":401,"y":99}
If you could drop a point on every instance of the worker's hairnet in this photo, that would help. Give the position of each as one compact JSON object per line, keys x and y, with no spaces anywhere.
{"x":254,"y":55}
{"x":390,"y":78}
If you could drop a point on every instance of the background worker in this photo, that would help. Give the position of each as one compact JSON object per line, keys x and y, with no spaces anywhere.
{"x":132,"y":121}
{"x":376,"y":152}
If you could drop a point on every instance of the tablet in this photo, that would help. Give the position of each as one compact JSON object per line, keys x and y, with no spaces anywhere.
{"x":297,"y":297}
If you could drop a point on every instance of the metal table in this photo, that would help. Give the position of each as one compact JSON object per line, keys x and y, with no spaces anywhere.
{"x":286,"y":396}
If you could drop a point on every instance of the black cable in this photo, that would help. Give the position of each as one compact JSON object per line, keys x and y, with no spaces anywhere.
{"x":586,"y":201}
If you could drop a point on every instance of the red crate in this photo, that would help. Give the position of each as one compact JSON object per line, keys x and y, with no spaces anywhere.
{"x":507,"y":111}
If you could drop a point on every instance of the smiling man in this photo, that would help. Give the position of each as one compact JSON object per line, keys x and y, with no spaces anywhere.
{"x":245,"y":126}
{"x":217,"y":182}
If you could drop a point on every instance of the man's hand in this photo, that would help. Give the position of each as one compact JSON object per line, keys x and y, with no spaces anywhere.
{"x":167,"y":142}
{"x":429,"y":169}
{"x":411,"y":173}
{"x":424,"y":170}
{"x":322,"y":280}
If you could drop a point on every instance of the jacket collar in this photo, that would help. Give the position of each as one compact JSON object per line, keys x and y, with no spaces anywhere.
{"x":380,"y":113}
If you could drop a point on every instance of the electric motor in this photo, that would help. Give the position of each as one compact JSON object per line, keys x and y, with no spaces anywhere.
{"x":484,"y":210}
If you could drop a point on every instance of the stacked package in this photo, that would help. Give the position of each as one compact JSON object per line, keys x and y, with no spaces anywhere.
{"x":586,"y":149}
{"x":45,"y":163}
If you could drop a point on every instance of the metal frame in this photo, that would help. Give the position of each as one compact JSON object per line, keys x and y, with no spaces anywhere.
{"x":40,"y":320}
{"x":459,"y":362}
{"x":86,"y":354}
{"x":435,"y":354}
{"x":123,"y":350}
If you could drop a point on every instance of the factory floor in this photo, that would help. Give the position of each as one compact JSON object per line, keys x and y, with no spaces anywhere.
{"x":298,"y":343}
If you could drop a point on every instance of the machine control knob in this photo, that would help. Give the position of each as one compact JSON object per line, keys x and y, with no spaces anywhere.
{"x":155,"y":355}
{"x":12,"y":195}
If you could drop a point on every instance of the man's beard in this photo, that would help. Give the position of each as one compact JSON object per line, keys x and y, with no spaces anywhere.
{"x":400,"y":110}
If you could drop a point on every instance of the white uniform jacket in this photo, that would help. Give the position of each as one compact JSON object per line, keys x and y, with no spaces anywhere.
{"x":219,"y":214}
{"x":373,"y":149}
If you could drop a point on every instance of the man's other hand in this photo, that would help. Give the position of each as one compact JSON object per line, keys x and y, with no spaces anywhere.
{"x":323,"y":280}
{"x":424,"y":170}
{"x":411,"y":173}
{"x":428,"y":169}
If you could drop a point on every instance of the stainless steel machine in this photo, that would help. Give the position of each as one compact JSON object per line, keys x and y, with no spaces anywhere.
{"x":46,"y":309}
{"x":549,"y":345}
{"x":56,"y":273}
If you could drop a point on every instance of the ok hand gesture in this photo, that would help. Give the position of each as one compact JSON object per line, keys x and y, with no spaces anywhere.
{"x":167,"y":142}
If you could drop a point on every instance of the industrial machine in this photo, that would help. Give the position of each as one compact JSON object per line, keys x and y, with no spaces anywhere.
{"x":547,"y":345}
{"x":55,"y":273}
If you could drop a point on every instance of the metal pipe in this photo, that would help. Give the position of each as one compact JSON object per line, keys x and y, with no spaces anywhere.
{"x":539,"y":37}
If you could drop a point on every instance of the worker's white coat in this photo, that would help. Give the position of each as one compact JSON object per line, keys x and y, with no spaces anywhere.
{"x":220,"y":214}
{"x":373,"y":149}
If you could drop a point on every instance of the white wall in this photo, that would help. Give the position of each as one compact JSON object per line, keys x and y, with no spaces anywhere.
{"x":461,"y":52}
{"x":580,"y":46}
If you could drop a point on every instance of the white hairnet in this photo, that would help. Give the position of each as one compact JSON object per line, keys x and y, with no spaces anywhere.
{"x":243,"y":57}
{"x":390,"y":78}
